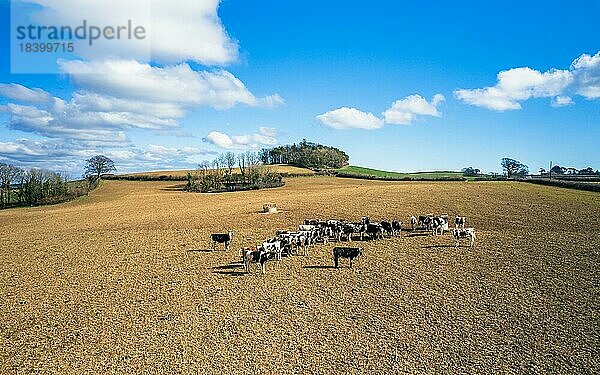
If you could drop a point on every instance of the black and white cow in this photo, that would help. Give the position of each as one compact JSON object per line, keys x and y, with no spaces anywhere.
{"x":224,"y":238}
{"x":346,"y":252}
{"x":257,"y":256}
{"x":460,"y":221}
{"x":413,"y":222}
{"x":468,"y":233}
{"x":438,"y":224}
{"x":397,"y":228}
{"x":273,"y":246}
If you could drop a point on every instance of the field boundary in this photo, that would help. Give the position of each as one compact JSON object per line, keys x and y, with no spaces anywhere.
{"x":564,"y":184}
{"x":399,"y":179}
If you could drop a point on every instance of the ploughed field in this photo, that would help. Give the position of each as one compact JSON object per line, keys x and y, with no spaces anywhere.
{"x":121,"y":282}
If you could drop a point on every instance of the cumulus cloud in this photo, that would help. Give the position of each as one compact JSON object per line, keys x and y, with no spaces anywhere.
{"x":562,"y":101}
{"x":350,"y":118}
{"x":405,"y":111}
{"x":402,"y":112}
{"x":68,"y":156}
{"x":586,"y":70}
{"x":520,"y":84}
{"x":115,"y":96}
{"x":23,"y":94}
{"x":176,"y":30}
{"x":178,"y":84}
{"x":240,"y":142}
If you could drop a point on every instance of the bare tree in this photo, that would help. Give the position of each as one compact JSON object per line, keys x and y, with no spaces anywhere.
{"x":229,"y":159}
{"x":98,"y":165}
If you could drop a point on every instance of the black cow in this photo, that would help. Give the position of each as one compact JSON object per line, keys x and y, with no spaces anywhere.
{"x":387,"y":227}
{"x":374,"y":231}
{"x":224,"y":238}
{"x":346,"y":252}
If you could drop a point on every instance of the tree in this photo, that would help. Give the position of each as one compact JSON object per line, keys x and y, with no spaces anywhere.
{"x":557,"y":169}
{"x":8,"y":175}
{"x":514,"y":168}
{"x":470,"y":171}
{"x":98,"y":165}
{"x":229,"y":161}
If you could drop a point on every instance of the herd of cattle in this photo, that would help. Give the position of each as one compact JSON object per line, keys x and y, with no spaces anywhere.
{"x":312,"y":232}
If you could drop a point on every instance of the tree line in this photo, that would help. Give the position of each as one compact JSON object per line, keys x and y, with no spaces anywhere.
{"x":307,"y":155}
{"x":32,"y":187}
{"x":558,"y":170}
{"x":231,"y":172}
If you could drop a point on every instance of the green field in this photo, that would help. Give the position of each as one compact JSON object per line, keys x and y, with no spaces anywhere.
{"x":375,"y":173}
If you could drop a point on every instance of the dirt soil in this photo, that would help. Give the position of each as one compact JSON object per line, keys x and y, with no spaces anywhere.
{"x":122,"y":282}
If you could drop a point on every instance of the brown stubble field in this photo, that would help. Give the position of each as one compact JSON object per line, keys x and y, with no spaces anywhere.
{"x":121,"y":282}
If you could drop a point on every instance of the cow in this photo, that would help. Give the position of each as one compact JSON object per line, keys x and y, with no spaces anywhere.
{"x":224,"y":238}
{"x":257,"y":256}
{"x":273,"y":246}
{"x":397,"y":228}
{"x":460,"y":221}
{"x":413,"y":222}
{"x":347,"y":230}
{"x":306,"y":227}
{"x":387,"y":227}
{"x":463,"y":233}
{"x":437,"y":225}
{"x":346,"y":252}
{"x":374,"y":231}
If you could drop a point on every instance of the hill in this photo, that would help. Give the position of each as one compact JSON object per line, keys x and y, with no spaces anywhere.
{"x":369,"y":173}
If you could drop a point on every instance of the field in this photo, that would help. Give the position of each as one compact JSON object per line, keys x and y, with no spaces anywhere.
{"x":122,"y":282}
{"x":362,"y":171}
{"x":283,"y":169}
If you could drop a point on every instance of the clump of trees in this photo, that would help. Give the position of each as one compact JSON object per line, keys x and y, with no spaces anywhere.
{"x":470,"y":171}
{"x":514,"y":168}
{"x":558,"y":170}
{"x":307,"y":155}
{"x":231,"y":172}
{"x":32,"y":187}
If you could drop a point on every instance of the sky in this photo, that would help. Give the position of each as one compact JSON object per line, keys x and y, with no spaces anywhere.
{"x":402,"y":86}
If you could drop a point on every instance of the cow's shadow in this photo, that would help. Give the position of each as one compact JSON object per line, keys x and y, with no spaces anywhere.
{"x":232,"y":269}
{"x":319,"y":267}
{"x":418,"y":234}
{"x":437,"y":246}
{"x":200,"y":250}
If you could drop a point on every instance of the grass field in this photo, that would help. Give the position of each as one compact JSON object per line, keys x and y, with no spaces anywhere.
{"x":361,"y":171}
{"x":121,"y":282}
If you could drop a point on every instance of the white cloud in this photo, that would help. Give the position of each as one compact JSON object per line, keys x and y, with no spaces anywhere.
{"x":515,"y":86}
{"x":269,"y":132}
{"x":67,"y":156}
{"x":23,"y":94}
{"x":561,"y":101}
{"x":177,"y":31}
{"x":350,"y":118}
{"x":179,"y":84}
{"x":405,"y":111}
{"x":586,"y":70}
{"x":519,"y":84}
{"x":247,"y":141}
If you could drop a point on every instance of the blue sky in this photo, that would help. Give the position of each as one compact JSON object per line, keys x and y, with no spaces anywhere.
{"x":401,"y":86}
